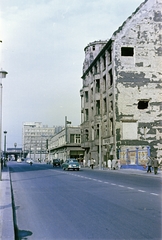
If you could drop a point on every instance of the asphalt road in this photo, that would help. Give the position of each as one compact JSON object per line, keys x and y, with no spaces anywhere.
{"x":54,"y":204}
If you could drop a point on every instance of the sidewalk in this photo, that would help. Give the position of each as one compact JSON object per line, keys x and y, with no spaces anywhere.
{"x":6,"y":214}
{"x":129,"y":171}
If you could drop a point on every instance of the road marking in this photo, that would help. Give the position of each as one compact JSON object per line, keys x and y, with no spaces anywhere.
{"x":154,"y":194}
{"x":141,"y":190}
{"x":113,"y":184}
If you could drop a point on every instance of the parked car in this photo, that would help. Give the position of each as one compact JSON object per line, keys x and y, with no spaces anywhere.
{"x":56,"y":162}
{"x":71,"y":164}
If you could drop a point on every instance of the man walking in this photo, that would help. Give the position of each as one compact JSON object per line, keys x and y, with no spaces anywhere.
{"x":149,"y":164}
{"x":155,"y":165}
{"x":92,"y":163}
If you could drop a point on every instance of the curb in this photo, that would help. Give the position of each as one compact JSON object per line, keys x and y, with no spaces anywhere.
{"x":6,"y":212}
{"x":128,"y":171}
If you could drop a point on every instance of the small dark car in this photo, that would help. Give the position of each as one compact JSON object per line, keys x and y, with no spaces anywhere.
{"x":56,"y":163}
{"x":71,"y":164}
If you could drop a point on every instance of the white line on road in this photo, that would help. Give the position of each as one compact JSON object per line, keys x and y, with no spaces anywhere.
{"x":154,"y":194}
{"x":141,"y":190}
{"x":113,"y":184}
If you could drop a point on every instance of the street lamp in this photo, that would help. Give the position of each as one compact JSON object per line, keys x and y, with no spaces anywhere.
{"x":5,"y":132}
{"x":15,"y":145}
{"x":2,"y":75}
{"x":100,"y":147}
{"x":66,"y":123}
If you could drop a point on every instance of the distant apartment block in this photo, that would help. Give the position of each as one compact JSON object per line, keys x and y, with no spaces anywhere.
{"x":35,"y":136}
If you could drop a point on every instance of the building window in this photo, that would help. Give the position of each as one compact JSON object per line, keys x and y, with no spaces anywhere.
{"x":105,"y":105}
{"x":92,"y":111}
{"x":109,"y":55}
{"x":97,"y":85}
{"x":95,"y":69}
{"x":142,"y":104}
{"x":111,"y":77}
{"x":74,"y":138}
{"x":98,"y":107}
{"x":111,"y":105}
{"x":127,"y":51}
{"x":111,"y":126}
{"x":86,"y":96}
{"x":93,"y":48}
{"x":97,"y":130}
{"x":77,"y":138}
{"x":104,"y":61}
{"x":86,"y":115}
{"x":91,"y":94}
{"x":86,"y":135}
{"x":104,"y":83}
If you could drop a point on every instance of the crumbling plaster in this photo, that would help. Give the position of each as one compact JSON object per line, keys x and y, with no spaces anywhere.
{"x":139,"y":77}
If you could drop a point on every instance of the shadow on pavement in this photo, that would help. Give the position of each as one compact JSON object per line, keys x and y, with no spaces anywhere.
{"x":23,"y":234}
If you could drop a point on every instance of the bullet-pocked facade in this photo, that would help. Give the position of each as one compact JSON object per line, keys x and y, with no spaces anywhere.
{"x":121,"y":95}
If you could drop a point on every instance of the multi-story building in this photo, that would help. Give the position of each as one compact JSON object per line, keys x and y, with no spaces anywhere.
{"x":35,"y":137}
{"x":66,"y":144}
{"x":121,"y":95}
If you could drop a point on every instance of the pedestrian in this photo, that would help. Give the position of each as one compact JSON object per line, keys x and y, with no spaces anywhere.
{"x":113,"y":164}
{"x":155,"y":165}
{"x":149,"y":164}
{"x":109,"y":164}
{"x":1,"y":163}
{"x":92,"y":163}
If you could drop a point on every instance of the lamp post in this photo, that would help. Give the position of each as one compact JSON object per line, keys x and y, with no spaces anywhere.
{"x":2,"y":75}
{"x":100,"y":147}
{"x":15,"y":145}
{"x":5,"y":132}
{"x":66,"y":123}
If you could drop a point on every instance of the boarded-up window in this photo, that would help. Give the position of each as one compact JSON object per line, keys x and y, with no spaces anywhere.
{"x":130,"y":130}
{"x":127,"y":51}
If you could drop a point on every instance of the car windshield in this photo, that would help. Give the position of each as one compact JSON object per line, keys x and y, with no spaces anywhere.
{"x":73,"y":161}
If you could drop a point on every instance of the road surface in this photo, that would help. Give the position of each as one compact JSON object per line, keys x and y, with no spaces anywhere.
{"x":54,"y":204}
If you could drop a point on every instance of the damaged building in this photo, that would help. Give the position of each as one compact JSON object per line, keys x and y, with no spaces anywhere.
{"x":121,"y":95}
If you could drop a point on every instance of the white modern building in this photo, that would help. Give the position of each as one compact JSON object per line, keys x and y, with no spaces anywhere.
{"x":35,"y":139}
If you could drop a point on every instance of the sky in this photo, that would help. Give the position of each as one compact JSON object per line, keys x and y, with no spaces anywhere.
{"x":42,"y":50}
